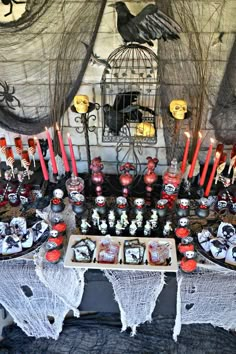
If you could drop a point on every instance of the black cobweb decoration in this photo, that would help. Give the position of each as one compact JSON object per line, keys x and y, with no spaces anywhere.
{"x":42,"y":56}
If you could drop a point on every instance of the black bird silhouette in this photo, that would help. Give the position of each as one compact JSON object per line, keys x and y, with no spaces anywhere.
{"x":148,"y":25}
{"x":117,"y":115}
{"x":125,"y":108}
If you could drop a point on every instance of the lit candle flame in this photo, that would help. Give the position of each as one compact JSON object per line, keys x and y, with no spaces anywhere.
{"x":218,"y":155}
{"x":57,"y":127}
{"x":212,"y":141}
{"x":46,"y":128}
{"x":199,"y":135}
{"x":68,"y":135}
{"x":35,"y":138}
{"x":187,"y":135}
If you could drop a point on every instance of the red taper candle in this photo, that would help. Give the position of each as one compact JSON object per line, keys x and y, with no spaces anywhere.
{"x":51,"y":152}
{"x":41,"y":159}
{"x":213,"y":171}
{"x":195,"y":155}
{"x":186,"y":150}
{"x":63,"y":151}
{"x":72,"y":155}
{"x":206,"y":163}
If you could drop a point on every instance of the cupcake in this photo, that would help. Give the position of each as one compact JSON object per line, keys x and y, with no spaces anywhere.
{"x":53,"y":256}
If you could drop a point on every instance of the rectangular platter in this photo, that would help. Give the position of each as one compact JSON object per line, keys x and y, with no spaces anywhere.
{"x":70,"y":261}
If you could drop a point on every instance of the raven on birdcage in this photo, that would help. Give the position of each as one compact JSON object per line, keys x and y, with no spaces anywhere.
{"x":148,"y":25}
{"x":124,"y":109}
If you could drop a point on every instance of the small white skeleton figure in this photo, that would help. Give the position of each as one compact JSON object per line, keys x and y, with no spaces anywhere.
{"x":119,"y":228}
{"x":153,"y":223}
{"x":124,"y":219}
{"x":95,"y":218}
{"x":219,"y":171}
{"x":103,"y":227}
{"x":183,"y":222}
{"x":111,"y":218}
{"x":139,"y":216}
{"x":154,"y":215}
{"x":53,"y":233}
{"x":133,"y":228}
{"x":147,"y":228}
{"x":84,"y":226}
{"x":167,"y":228}
{"x":58,"y":193}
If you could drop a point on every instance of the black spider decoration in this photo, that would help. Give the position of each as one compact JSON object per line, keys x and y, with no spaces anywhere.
{"x":8,"y":96}
{"x":11,"y":2}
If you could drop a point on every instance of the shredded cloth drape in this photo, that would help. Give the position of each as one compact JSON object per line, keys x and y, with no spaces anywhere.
{"x":136,"y":293}
{"x":206,"y":296}
{"x":36,"y":309}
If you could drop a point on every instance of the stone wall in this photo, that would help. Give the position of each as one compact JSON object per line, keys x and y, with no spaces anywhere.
{"x":175,"y":80}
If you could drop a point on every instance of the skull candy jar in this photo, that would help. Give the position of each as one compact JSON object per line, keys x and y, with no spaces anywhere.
{"x":183,"y":207}
{"x":162,"y":207}
{"x":81,"y":103}
{"x":178,"y":108}
{"x":57,"y":204}
{"x":78,"y":204}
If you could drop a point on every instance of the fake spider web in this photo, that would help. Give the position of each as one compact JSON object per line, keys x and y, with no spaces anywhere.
{"x":43,"y":61}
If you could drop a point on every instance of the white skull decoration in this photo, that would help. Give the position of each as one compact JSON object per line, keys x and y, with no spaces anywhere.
{"x":222,"y":204}
{"x":100,"y":201}
{"x":58,"y":193}
{"x":178,"y":108}
{"x":53,"y":233}
{"x":183,"y":222}
{"x":184,"y":202}
{"x":189,"y":254}
{"x":139,"y":203}
{"x":81,"y":103}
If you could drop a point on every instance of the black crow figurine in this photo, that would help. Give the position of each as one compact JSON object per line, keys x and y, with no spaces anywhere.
{"x":148,"y":25}
{"x":117,"y":115}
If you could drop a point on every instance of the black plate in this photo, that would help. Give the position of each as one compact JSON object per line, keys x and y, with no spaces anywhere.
{"x":25,"y":251}
{"x":209,"y":256}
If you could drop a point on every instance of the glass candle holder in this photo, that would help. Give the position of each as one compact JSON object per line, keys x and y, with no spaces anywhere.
{"x":18,"y":144}
{"x":25,"y":161}
{"x":32,"y":149}
{"x":3,"y":144}
{"x":10,"y":158}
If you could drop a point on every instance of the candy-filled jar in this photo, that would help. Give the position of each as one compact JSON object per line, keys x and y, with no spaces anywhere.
{"x":74,"y":185}
{"x":171,"y":183}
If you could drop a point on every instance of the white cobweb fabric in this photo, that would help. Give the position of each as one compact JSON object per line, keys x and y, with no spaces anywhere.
{"x":31,"y":313}
{"x":136,"y":293}
{"x":206,"y":296}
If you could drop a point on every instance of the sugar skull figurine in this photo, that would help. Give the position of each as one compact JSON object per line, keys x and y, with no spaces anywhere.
{"x":57,"y":204}
{"x":139,"y":205}
{"x":202,"y":210}
{"x":178,"y":109}
{"x":183,"y":207}
{"x":133,"y":228}
{"x":121,"y":204}
{"x":100,"y":204}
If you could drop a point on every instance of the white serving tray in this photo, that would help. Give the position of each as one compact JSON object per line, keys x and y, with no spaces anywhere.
{"x":70,"y":262}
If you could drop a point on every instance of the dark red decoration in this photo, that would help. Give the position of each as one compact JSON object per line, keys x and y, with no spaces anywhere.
{"x":150,"y":177}
{"x":126,"y":178}
{"x":97,"y":176}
